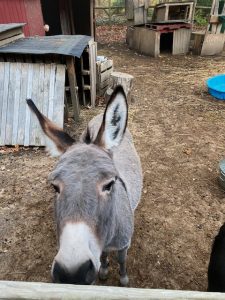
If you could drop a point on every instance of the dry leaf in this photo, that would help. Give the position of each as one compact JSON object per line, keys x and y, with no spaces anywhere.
{"x":187,"y":151}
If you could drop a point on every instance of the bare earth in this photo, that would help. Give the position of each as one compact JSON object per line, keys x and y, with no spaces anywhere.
{"x":179,"y":132}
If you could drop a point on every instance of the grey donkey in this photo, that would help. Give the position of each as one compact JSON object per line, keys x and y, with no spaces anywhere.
{"x":98,"y":183}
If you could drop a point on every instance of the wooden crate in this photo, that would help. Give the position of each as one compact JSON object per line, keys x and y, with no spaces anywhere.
{"x":104,"y":70}
{"x":44,"y":84}
{"x":174,"y":12}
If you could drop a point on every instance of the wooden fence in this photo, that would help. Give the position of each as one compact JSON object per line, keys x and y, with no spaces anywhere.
{"x":36,"y":290}
{"x":111,"y":11}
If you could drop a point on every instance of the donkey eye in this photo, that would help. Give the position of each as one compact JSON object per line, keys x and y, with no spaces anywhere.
{"x":108,"y":186}
{"x":56,"y":188}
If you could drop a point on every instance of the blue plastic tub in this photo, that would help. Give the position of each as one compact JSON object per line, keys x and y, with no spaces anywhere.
{"x":216,"y":86}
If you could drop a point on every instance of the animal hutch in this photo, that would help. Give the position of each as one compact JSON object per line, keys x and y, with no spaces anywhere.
{"x":47,"y":69}
{"x":169,"y":30}
{"x":64,"y":17}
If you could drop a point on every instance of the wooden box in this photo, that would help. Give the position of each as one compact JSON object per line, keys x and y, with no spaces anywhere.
{"x":104,"y":70}
{"x":174,"y":12}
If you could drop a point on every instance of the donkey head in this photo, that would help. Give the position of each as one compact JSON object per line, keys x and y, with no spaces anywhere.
{"x":85,"y":183}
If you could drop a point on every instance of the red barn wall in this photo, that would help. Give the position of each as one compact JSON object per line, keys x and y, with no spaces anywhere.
{"x":23,"y":11}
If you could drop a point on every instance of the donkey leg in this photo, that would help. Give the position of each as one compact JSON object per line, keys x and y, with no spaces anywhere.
{"x":122,"y":255}
{"x":103,"y":272}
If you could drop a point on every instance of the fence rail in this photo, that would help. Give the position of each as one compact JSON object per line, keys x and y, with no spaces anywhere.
{"x":108,"y":7}
{"x":203,"y":7}
{"x":46,"y":291}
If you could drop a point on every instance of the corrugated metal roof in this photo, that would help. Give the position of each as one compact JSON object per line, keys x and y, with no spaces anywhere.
{"x":72,"y":45}
{"x":6,"y":27}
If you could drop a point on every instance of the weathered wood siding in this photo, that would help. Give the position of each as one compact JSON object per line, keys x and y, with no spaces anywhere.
{"x":213,"y":44}
{"x":44,"y":84}
{"x":181,"y":41}
{"x":149,"y":42}
{"x":144,"y":40}
{"x":92,"y":65}
{"x":103,"y":72}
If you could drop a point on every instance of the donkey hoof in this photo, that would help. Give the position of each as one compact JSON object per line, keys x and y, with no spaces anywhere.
{"x":124,"y":280}
{"x":103,"y":273}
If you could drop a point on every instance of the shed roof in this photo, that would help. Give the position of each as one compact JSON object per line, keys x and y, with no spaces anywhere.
{"x":6,"y":27}
{"x":72,"y":45}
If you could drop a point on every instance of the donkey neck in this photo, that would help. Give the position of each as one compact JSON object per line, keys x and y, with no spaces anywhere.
{"x":121,"y":219}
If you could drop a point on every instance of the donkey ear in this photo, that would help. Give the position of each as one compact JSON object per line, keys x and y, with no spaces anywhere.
{"x":114,"y":121}
{"x":57,"y":141}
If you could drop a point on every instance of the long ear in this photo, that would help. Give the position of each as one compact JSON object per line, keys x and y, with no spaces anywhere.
{"x":114,"y":121}
{"x":59,"y":141}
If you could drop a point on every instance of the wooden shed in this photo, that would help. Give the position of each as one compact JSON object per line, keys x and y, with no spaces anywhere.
{"x":62,"y":16}
{"x":46,"y":69}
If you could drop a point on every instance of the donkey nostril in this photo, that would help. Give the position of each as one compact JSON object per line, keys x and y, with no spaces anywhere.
{"x":91,"y":274}
{"x":59,"y":275}
{"x":85,"y":274}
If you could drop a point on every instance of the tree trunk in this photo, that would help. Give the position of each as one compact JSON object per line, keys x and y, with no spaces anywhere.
{"x":123,"y":79}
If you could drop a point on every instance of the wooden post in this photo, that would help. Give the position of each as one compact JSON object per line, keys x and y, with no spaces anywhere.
{"x":92,"y":18}
{"x":129,"y":8}
{"x":71,"y":17}
{"x":70,"y":63}
{"x":66,"y":108}
{"x":167,"y":13}
{"x":110,"y":12}
{"x":92,"y":66}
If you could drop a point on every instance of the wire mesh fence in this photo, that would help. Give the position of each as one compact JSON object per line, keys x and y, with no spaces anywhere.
{"x":110,"y":12}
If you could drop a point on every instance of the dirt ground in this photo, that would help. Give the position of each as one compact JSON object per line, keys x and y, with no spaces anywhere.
{"x":179,"y":132}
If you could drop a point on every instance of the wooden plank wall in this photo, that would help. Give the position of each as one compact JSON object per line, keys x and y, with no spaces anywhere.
{"x":213,"y":43}
{"x":144,"y":40}
{"x":44,"y":84}
{"x":129,"y":7}
{"x":149,"y":42}
{"x":181,"y":41}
